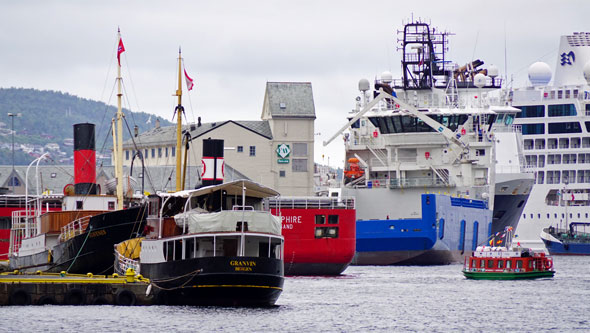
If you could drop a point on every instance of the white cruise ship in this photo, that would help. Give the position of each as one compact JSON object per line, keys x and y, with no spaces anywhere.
{"x":555,"y":122}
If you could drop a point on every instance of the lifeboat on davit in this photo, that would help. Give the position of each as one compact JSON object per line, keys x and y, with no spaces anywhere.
{"x":354,"y":170}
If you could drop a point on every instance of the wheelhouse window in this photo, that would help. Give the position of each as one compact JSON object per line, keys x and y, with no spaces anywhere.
{"x":320,"y":219}
{"x":332,"y":219}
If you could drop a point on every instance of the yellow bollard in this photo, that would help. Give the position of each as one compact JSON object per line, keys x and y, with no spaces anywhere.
{"x":130,"y":275}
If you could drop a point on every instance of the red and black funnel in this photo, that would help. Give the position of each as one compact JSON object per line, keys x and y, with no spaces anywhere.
{"x":84,"y":160}
{"x":212,"y":162}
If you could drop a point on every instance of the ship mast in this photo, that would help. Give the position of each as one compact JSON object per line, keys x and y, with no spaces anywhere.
{"x":118,"y":147}
{"x":179,"y":111}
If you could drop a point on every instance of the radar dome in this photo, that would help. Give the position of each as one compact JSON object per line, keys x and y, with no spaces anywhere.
{"x":539,"y":74}
{"x":493,"y":71}
{"x":479,"y":80}
{"x":364,"y":85}
{"x":386,"y":77}
{"x":586,"y":71}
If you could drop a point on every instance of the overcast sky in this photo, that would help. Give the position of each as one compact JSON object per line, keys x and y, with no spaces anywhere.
{"x":232,"y":48}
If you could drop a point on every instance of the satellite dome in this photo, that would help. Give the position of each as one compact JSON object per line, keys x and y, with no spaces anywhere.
{"x":479,"y":80}
{"x":493,"y":71}
{"x":386,"y":77}
{"x":586,"y":71}
{"x":539,"y":74}
{"x":364,"y":85}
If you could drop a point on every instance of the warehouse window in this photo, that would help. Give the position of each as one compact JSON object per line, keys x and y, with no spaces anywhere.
{"x":299,"y":165}
{"x":300,"y":149}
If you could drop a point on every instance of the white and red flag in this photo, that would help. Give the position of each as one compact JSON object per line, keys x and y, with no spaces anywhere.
{"x":189,"y":81}
{"x":120,"y":50}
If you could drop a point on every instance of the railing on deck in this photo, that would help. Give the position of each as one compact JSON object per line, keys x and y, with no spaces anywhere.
{"x":21,"y":221}
{"x":312,"y":203}
{"x":74,"y":228}
{"x":123,"y":263}
{"x":419,"y":182}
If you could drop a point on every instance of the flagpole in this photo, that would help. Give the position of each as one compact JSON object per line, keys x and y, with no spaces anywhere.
{"x":119,"y":148}
{"x":179,"y":112}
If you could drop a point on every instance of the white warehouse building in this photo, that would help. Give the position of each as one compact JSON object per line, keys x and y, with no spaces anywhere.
{"x":276,"y":151}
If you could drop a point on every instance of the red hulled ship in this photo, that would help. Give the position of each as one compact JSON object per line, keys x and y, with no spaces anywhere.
{"x":320,"y":233}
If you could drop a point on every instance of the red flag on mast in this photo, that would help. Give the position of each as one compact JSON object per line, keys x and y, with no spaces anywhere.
{"x":189,"y":81}
{"x":120,"y":50}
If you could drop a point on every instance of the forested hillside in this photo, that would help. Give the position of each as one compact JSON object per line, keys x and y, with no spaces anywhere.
{"x":48,"y":116}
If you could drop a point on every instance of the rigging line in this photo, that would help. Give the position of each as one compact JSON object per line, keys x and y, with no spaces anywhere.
{"x":109,"y":69}
{"x":128,"y":106}
{"x":81,"y":247}
{"x":168,"y":181}
{"x":132,"y":86}
{"x":538,"y":59}
{"x":505,"y":54}
{"x":104,"y":144}
{"x":146,"y":171}
{"x":189,"y":95}
{"x":190,"y":103}
{"x":475,"y":46}
{"x":102,"y":122}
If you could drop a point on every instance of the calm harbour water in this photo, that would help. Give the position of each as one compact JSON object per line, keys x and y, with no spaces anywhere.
{"x":365,"y":298}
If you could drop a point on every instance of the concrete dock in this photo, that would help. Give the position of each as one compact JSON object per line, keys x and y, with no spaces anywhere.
{"x":74,"y":289}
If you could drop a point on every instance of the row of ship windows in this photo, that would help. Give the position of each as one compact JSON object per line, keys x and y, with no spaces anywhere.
{"x":539,"y":160}
{"x":538,"y":111}
{"x":555,"y":143}
{"x":565,"y":177}
{"x":571,"y":216}
{"x":554,"y":128}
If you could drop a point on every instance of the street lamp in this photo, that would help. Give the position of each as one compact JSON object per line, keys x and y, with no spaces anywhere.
{"x":12,"y":115}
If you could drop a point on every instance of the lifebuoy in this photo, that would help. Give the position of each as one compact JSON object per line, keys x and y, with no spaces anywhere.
{"x":377,"y":184}
{"x":548,"y":264}
{"x":75,"y":296}
{"x":20,"y":297}
{"x":125,"y":297}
